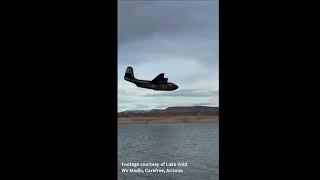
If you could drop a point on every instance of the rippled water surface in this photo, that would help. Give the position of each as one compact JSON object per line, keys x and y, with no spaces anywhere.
{"x":193,"y":143}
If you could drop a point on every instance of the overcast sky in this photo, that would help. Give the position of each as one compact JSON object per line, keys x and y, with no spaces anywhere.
{"x":178,"y":38}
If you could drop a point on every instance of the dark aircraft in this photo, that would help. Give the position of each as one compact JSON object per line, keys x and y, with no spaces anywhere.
{"x":159,"y":83}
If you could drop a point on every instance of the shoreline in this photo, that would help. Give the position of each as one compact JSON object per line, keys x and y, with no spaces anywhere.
{"x":168,"y":119}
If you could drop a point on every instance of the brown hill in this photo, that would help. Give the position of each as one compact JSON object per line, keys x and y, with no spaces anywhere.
{"x":174,"y":111}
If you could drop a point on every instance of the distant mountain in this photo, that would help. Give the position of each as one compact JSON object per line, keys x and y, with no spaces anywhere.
{"x":155,"y":110}
{"x":173,"y":111}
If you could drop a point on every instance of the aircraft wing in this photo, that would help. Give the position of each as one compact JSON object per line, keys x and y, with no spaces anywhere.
{"x":159,"y":78}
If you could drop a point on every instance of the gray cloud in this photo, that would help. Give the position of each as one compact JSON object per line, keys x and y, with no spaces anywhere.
{"x":137,"y":19}
{"x":149,"y":31}
{"x":121,"y":100}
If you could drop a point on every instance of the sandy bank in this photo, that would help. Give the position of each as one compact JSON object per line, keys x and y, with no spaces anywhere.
{"x":168,"y":119}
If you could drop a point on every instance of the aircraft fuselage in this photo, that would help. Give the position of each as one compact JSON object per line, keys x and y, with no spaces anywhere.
{"x":160,"y":86}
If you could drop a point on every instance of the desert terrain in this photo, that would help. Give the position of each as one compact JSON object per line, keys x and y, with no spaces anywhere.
{"x":193,"y":114}
{"x":168,"y":119}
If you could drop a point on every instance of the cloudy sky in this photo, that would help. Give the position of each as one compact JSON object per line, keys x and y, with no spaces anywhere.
{"x":178,"y":38}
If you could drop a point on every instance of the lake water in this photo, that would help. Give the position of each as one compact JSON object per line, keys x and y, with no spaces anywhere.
{"x":195,"y":144}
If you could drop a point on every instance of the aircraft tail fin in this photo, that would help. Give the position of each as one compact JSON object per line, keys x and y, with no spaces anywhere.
{"x":129,"y":74}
